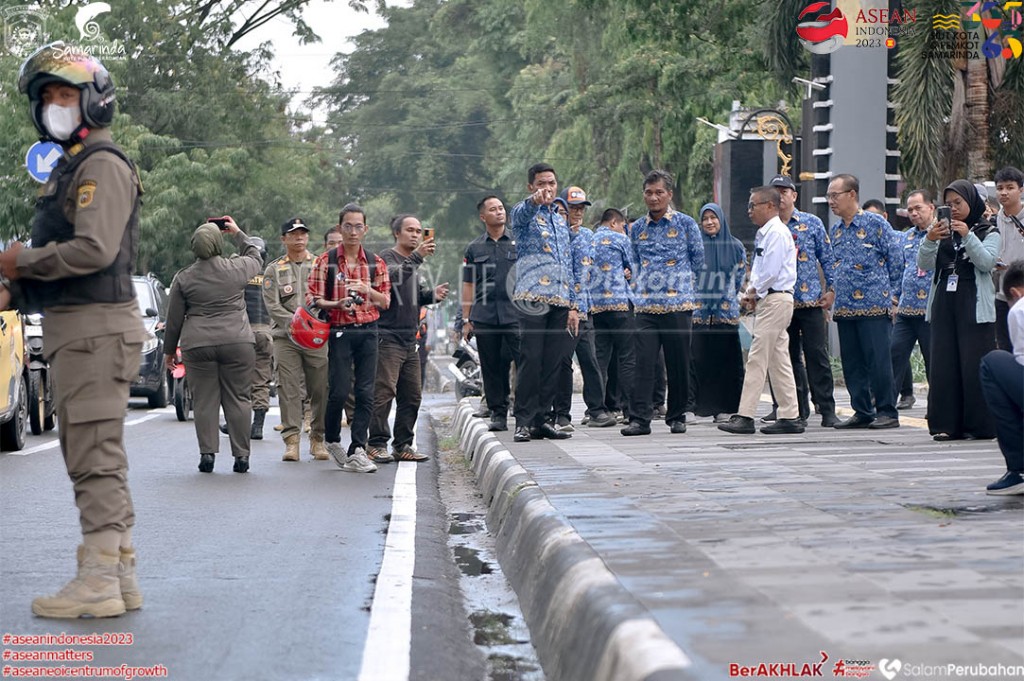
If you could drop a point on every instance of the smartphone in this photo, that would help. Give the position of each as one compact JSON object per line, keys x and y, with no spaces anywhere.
{"x":221,"y":222}
{"x":428,"y":233}
{"x":944,"y":214}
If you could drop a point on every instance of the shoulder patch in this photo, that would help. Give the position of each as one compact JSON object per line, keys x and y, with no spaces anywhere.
{"x":86,"y":191}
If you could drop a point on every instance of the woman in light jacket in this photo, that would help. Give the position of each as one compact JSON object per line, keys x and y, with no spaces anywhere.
{"x":206,"y":317}
{"x":962,"y":314}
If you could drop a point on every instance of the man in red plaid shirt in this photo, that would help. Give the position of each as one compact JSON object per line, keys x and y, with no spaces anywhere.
{"x":343,"y":283}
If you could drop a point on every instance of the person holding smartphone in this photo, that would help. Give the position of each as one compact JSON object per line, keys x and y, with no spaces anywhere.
{"x":961,"y":246}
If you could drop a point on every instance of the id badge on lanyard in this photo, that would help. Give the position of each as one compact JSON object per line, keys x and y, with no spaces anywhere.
{"x":952,"y":282}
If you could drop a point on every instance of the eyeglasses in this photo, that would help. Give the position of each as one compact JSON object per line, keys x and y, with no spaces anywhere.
{"x":751,"y":204}
{"x":352,"y":227}
{"x":831,"y":196}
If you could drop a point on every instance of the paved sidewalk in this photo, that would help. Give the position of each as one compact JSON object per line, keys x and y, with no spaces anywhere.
{"x":866,"y":545}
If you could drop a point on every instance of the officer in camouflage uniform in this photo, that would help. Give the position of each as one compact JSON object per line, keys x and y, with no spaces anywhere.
{"x":78,"y":272}
{"x":284,"y":289}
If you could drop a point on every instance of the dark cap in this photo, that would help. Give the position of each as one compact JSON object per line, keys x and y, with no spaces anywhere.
{"x":574,"y":196}
{"x":783,"y":182}
{"x":292,"y":225}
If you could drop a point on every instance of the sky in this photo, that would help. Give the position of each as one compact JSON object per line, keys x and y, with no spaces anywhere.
{"x":304,"y":67}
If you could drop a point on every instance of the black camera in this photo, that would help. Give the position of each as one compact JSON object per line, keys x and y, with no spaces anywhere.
{"x":356,"y":298}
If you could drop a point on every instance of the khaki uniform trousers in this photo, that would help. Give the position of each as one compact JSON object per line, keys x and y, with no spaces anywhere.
{"x":769,"y":355}
{"x":92,"y":377}
{"x":221,"y":377}
{"x":296,"y":366}
{"x":263,"y":371}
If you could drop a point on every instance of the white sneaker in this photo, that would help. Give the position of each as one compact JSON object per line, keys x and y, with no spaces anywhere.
{"x":337,"y":453}
{"x":690,"y":417}
{"x":722,"y":418}
{"x":359,"y":463}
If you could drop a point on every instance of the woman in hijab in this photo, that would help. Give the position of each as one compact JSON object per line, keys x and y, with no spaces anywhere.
{"x":717,"y":355}
{"x":962,"y":314}
{"x":206,"y":317}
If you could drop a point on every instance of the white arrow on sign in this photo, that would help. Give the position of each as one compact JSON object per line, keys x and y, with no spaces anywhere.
{"x":44,"y":164}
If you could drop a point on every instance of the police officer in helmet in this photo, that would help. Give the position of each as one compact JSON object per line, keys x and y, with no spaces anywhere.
{"x":78,"y":271}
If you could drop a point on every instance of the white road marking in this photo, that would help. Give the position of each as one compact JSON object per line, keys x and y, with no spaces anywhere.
{"x":53,"y":444}
{"x":389,"y":639}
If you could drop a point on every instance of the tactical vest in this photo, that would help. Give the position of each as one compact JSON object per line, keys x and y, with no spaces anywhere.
{"x":112,"y":284}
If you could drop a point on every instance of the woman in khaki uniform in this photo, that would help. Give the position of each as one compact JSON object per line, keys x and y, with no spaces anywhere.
{"x":206,"y":316}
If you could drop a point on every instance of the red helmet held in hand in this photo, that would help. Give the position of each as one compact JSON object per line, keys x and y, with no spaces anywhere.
{"x":307,"y":330}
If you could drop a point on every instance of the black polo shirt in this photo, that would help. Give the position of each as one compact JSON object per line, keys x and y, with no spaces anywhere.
{"x":490,"y":266}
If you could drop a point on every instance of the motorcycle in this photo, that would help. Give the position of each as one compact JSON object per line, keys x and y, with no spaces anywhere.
{"x":468,"y":379}
{"x":42,"y":404}
{"x":182,"y":392}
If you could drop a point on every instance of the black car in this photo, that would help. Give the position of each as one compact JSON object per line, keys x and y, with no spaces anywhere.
{"x":153,"y":381}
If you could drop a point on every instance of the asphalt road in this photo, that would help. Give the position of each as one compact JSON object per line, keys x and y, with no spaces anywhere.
{"x":269,"y":575}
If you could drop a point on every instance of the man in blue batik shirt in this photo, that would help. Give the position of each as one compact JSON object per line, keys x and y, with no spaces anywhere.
{"x":545,"y":296}
{"x":667,"y":249}
{"x":868,"y":267}
{"x":581,"y":245}
{"x":808,"y":335}
{"x":611,"y":304}
{"x":910,"y":325}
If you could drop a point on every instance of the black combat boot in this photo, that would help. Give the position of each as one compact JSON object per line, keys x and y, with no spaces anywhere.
{"x":257,"y":424}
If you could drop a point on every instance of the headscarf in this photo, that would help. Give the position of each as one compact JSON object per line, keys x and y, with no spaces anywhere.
{"x":207,"y":241}
{"x":969,"y":193}
{"x":723,"y":253}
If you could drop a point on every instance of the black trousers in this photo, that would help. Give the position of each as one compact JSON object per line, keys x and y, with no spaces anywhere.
{"x":351,"y":355}
{"x":865,"y":347}
{"x":593,"y":384}
{"x":669,"y":332}
{"x":906,"y":331}
{"x":614,"y":335}
{"x":1003,"y":341}
{"x":544,"y":343}
{"x":498,"y":345}
{"x":1002,"y":381}
{"x":808,"y":353}
{"x":660,"y":380}
{"x":956,"y":405}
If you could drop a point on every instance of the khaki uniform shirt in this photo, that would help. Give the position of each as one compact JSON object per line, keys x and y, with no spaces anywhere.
{"x":99,"y":203}
{"x":207,"y":305}
{"x":284,"y":290}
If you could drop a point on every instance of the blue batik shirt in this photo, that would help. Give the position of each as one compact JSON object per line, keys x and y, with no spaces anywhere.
{"x":916,"y":282}
{"x":868,"y":266}
{"x":667,"y":253}
{"x":812,"y":248}
{"x":581,"y":244}
{"x":544,"y":269}
{"x":609,"y":289}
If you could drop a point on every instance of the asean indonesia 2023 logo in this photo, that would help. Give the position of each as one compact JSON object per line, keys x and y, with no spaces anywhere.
{"x":821,"y":29}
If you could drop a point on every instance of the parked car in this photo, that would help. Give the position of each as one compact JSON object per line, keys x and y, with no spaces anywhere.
{"x":154,"y":381}
{"x":13,"y":386}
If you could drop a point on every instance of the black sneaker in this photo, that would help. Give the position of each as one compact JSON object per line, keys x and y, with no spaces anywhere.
{"x":1010,"y":484}
{"x":784,"y":427}
{"x":906,"y":402}
{"x":498,"y":424}
{"x":885,"y":422}
{"x":739,"y":425}
{"x":854,"y":422}
{"x":563,"y":424}
{"x":636,"y":428}
{"x":677,"y":427}
{"x":770,"y":417}
{"x":241,"y":464}
{"x":829,"y":420}
{"x":206,"y":463}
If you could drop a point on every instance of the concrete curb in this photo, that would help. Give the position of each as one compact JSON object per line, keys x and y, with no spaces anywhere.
{"x":584,"y":624}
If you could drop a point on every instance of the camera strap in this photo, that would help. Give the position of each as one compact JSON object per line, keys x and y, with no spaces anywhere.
{"x":1017,"y":224}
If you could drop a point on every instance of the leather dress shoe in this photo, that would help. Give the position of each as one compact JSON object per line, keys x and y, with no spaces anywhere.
{"x":498,"y":424}
{"x":549,"y":431}
{"x":677,"y":427}
{"x":636,"y":428}
{"x":206,"y":463}
{"x":854,"y":422}
{"x":739,"y":425}
{"x":883,"y":422}
{"x":829,"y":420}
{"x":482,"y":413}
{"x":522,"y":434}
{"x":241,"y":464}
{"x":946,"y":437}
{"x":784,"y":427}
{"x":906,"y":402}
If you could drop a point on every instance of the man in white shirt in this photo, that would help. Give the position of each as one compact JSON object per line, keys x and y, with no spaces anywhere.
{"x":1009,"y":188}
{"x":772,"y":278}
{"x":1002,"y":384}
